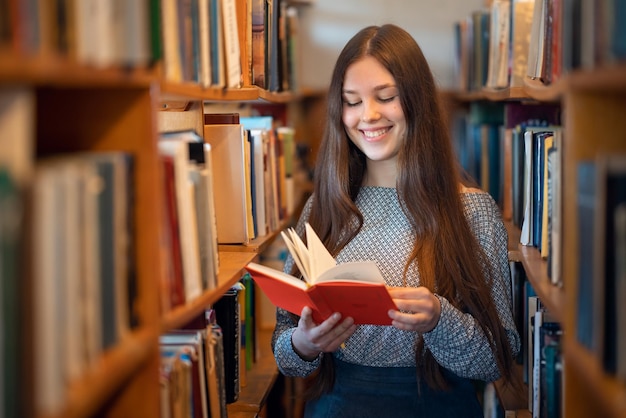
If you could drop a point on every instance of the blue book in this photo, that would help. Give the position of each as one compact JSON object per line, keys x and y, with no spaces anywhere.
{"x":586,"y":205}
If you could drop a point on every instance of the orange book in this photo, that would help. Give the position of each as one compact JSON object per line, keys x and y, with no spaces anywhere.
{"x":355,"y":289}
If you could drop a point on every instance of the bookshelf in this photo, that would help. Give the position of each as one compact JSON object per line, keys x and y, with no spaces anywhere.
{"x":592,"y":100}
{"x":52,"y":101}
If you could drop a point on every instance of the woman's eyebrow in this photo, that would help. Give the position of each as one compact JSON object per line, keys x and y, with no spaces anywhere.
{"x":377,"y":88}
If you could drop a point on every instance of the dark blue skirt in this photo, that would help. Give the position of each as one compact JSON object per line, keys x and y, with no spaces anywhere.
{"x":379,"y":392}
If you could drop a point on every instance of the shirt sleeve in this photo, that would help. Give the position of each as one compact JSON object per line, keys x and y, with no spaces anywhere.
{"x":457,"y":342}
{"x":288,"y":361}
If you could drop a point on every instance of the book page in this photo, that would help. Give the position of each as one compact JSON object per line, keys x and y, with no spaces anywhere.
{"x":357,"y":272}
{"x":276,"y":275}
{"x":298,"y":252}
{"x":320,"y":259}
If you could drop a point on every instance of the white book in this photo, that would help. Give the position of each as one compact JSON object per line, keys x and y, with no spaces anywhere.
{"x":72,"y":183}
{"x":526,"y":233}
{"x":499,"y":36}
{"x":536,"y":366}
{"x":208,"y":163}
{"x":232,"y":51}
{"x":205,"y":42}
{"x":48,"y":285}
{"x":534,"y":305}
{"x":132,"y":31}
{"x":537,"y":40}
{"x":259,"y":144}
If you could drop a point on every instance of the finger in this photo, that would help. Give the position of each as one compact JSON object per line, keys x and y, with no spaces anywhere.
{"x":408,"y":292}
{"x":330,"y":331}
{"x":306,"y":317}
{"x":330,"y":323}
{"x":341,"y":338}
{"x":421,"y":322}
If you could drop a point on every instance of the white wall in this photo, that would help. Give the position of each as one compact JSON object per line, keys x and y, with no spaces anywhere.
{"x":326,"y":26}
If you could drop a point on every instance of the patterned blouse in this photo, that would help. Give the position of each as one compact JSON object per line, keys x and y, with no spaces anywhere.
{"x":457,"y":342}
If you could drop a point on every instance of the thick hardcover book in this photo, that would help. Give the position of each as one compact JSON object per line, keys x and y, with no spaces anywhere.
{"x":354,"y":289}
{"x":230,"y":187}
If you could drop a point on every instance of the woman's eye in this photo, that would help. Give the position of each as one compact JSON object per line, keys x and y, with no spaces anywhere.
{"x":387,"y":99}
{"x":351,"y":104}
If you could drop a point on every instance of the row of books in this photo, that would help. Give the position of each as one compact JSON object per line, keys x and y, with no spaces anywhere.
{"x":252,"y":197}
{"x":545,"y":361}
{"x":513,"y":151}
{"x":231,"y":43}
{"x":190,"y":251}
{"x":541,"y":350}
{"x":203,"y":366}
{"x":83,"y":275}
{"x":213,"y":43}
{"x":99,"y":33}
{"x":510,"y":41}
{"x":601,"y":315}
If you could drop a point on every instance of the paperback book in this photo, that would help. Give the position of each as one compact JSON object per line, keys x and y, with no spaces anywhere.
{"x":354,"y":289}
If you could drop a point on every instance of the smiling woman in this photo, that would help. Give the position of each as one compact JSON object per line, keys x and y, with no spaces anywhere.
{"x":387,"y":189}
{"x":373,"y":117}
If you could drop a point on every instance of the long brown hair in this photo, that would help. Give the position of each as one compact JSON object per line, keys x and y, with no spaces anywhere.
{"x":451,"y":262}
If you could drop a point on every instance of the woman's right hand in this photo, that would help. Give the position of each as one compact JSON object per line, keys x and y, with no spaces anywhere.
{"x":310,"y":339}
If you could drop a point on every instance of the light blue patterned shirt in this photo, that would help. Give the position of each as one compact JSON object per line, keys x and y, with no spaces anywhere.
{"x":457,"y":342}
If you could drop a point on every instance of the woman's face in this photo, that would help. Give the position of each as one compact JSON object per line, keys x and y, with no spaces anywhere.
{"x":372,"y":113}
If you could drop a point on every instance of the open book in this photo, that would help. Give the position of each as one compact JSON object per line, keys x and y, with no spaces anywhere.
{"x":355,"y":289}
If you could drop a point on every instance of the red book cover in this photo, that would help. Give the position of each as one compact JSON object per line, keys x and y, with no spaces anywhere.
{"x":177,"y":290}
{"x":366,"y":303}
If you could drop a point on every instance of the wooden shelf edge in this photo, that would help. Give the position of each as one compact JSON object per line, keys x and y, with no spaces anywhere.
{"x":194,"y":91}
{"x":118,"y":365}
{"x":607,"y":390}
{"x":537,"y":272}
{"x":51,"y":70}
{"x":611,"y":78}
{"x":231,"y":267}
{"x":545,"y":93}
{"x":257,"y":245}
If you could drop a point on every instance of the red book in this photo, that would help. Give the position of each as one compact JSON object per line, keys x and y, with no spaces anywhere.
{"x":175,"y":280}
{"x":366,"y":303}
{"x":355,"y":289}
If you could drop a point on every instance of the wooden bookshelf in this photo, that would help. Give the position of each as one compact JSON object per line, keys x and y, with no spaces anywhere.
{"x":66,"y":106}
{"x":115,"y":368}
{"x":231,"y":268}
{"x":260,"y":380}
{"x":592,"y":100}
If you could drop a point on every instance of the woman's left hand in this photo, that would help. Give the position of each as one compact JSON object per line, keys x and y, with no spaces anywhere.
{"x":419,"y":308}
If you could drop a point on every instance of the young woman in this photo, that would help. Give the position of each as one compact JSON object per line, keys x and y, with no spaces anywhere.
{"x":387,"y":188}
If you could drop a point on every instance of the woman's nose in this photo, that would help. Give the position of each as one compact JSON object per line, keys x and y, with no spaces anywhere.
{"x":370,"y":111}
